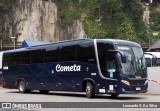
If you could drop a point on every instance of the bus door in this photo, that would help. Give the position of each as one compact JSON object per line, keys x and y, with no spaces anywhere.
{"x":111,"y":72}
{"x":110,"y":65}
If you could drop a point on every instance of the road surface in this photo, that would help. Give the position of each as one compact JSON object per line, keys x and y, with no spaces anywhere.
{"x":10,"y":95}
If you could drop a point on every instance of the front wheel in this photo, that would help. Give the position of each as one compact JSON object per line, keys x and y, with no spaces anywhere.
{"x":90,"y":90}
{"x":114,"y":95}
{"x":43,"y":91}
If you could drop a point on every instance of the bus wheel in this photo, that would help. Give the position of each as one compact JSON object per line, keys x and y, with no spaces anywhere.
{"x":22,"y":87}
{"x":114,"y":95}
{"x":89,"y":90}
{"x":43,"y":91}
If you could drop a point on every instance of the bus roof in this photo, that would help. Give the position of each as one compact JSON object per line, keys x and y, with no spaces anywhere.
{"x":114,"y":41}
{"x":157,"y":54}
{"x":121,"y":42}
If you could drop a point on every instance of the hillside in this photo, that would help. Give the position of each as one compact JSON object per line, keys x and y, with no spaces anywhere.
{"x":54,"y":20}
{"x":122,"y":19}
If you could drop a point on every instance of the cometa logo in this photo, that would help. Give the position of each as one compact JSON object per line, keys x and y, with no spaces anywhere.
{"x":74,"y":67}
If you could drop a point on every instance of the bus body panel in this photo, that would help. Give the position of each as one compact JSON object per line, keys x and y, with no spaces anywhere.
{"x":44,"y":77}
{"x":1,"y":76}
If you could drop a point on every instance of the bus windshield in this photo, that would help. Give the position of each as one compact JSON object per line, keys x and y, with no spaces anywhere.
{"x":135,"y":66}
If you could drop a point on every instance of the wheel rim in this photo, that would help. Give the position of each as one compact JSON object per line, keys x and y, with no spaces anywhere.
{"x":88,"y":90}
{"x":21,"y":86}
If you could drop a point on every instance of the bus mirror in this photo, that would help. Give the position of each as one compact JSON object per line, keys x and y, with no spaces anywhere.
{"x":123,"y":56}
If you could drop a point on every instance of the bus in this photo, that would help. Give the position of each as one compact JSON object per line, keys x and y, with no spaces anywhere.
{"x":152,"y":59}
{"x":94,"y":66}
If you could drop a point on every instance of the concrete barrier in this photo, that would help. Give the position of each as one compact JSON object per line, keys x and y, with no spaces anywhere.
{"x":153,"y":80}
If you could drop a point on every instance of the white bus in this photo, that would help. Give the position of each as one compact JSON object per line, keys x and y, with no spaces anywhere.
{"x":152,"y":59}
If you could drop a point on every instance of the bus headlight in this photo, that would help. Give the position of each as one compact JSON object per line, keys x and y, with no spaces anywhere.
{"x":125,"y":82}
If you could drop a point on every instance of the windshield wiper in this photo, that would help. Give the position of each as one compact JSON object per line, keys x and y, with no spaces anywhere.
{"x":140,"y":67}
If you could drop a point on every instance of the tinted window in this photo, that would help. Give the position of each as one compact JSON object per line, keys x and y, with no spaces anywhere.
{"x":25,"y":57}
{"x":106,"y":59}
{"x":16,"y":58}
{"x":7,"y":59}
{"x":36,"y":56}
{"x":86,"y":53}
{"x":102,"y":50}
{"x":51,"y":55}
{"x":67,"y":53}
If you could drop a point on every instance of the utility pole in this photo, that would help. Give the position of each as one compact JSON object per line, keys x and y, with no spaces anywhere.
{"x":14,"y":42}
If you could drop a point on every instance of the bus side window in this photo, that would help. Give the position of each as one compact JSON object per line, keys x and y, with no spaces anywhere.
{"x":105,"y":60}
{"x":110,"y":65}
{"x":7,"y":59}
{"x":16,"y":58}
{"x":25,"y":57}
{"x":51,"y":55}
{"x":85,"y":53}
{"x":67,"y":53}
{"x":36,"y":56}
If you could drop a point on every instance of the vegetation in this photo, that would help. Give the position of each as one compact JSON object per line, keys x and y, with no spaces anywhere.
{"x":155,"y":21}
{"x":120,"y":19}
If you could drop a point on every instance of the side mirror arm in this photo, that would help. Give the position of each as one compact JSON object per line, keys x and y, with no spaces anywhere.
{"x":123,"y":56}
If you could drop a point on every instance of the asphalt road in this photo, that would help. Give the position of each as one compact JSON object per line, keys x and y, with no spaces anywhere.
{"x":14,"y":96}
{"x":10,"y":95}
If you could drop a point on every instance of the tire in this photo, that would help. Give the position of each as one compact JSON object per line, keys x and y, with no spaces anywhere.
{"x":22,"y":87}
{"x":43,"y":91}
{"x":114,"y":95}
{"x":90,"y":93}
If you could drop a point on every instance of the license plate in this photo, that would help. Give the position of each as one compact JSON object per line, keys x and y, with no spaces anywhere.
{"x":138,"y":88}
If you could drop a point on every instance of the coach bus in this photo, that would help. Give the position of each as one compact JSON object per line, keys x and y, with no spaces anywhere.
{"x":94,"y":66}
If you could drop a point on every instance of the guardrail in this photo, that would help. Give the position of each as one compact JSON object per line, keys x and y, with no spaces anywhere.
{"x":10,"y":45}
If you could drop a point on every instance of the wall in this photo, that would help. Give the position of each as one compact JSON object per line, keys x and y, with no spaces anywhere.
{"x":154,"y":80}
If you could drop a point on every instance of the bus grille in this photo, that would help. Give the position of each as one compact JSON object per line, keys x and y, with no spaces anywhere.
{"x":137,"y":82}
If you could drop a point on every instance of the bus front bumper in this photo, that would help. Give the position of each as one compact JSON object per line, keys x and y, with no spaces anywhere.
{"x":134,"y":89}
